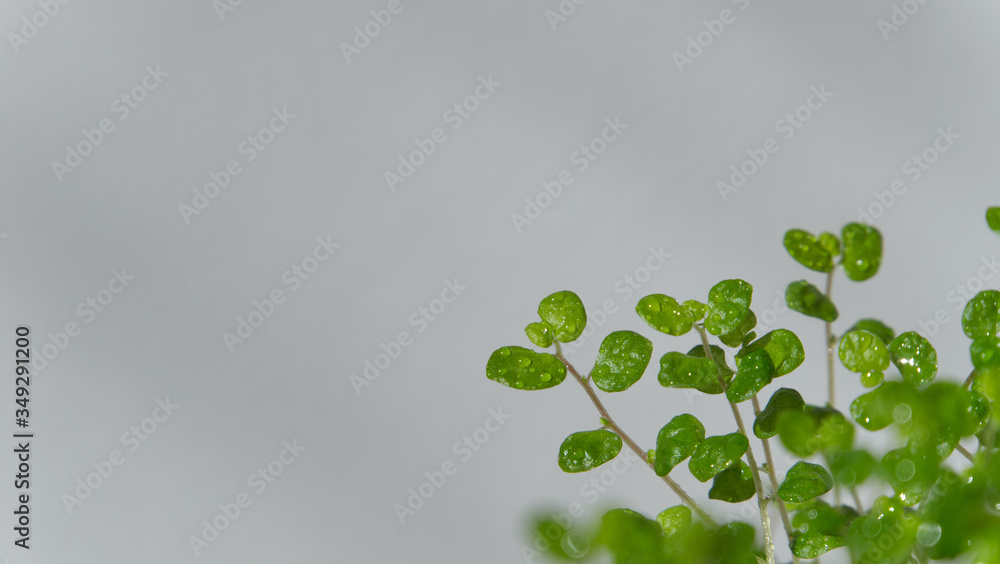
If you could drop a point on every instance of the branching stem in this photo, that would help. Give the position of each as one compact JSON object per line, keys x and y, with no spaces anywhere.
{"x":610,"y":424}
{"x":829,"y":342}
{"x":765,"y":521}
{"x":772,"y":474}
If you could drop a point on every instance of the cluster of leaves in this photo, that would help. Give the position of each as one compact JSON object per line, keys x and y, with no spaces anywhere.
{"x":930,"y":510}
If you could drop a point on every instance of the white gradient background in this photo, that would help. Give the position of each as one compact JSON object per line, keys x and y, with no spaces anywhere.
{"x":323,"y":176}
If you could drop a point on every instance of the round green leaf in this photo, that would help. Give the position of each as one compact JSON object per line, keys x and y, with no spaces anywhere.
{"x":881,"y":330}
{"x":812,"y":545}
{"x":736,"y":338}
{"x":808,"y":251}
{"x":734,"y":484}
{"x":540,"y":334}
{"x":587,"y":450}
{"x":813,"y":429}
{"x":805,"y":481}
{"x":888,"y":524}
{"x":525,"y":369}
{"x":695,"y":308}
{"x":678,"y":370}
{"x":564,"y":312}
{"x":664,"y":314}
{"x":755,"y":371}
{"x":621,"y":360}
{"x":877,"y":409}
{"x":728,"y":306}
{"x":911,"y":472}
{"x":985,"y":352}
{"x":861,"y":351}
{"x":862,"y":251}
{"x":715,"y":454}
{"x":852,"y":467}
{"x":677,"y":441}
{"x":830,"y":242}
{"x":675,"y":519}
{"x":782,"y":399}
{"x":981,"y":317}
{"x":993,"y":219}
{"x":782,"y":346}
{"x":915,"y":358}
{"x":806,"y":299}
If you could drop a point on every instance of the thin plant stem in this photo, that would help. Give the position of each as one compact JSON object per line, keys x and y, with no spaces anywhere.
{"x":611,"y":425}
{"x":970,"y":379}
{"x":771,"y":472}
{"x":857,"y":499}
{"x":965,"y":452}
{"x":829,"y":343}
{"x":765,"y":520}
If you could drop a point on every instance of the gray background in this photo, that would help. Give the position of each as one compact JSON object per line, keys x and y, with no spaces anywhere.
{"x":323,"y":176}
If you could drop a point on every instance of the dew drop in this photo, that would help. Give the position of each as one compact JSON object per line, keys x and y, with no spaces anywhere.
{"x":524,"y":362}
{"x":575,"y":544}
{"x":902,"y":413}
{"x":653,"y":306}
{"x":847,"y":476}
{"x":813,"y":514}
{"x":518,"y":384}
{"x":504,"y":352}
{"x":905,"y":470}
{"x":871,"y":527}
{"x":544,"y":377}
{"x":928,"y":533}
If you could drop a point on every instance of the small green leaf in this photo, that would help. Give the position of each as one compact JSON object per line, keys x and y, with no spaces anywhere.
{"x":861,"y":351}
{"x":782,"y":399}
{"x":889,"y":525}
{"x":830,"y":242}
{"x":852,"y":467}
{"x":812,"y":545}
{"x":678,"y":370}
{"x":621,"y":360}
{"x":862,"y":251}
{"x":540,"y":334}
{"x":728,"y":306}
{"x":696,"y":309}
{"x":915,"y":358}
{"x":664,"y":314}
{"x":629,"y":536}
{"x":805,"y":481}
{"x":675,"y":519}
{"x":993,"y":219}
{"x":587,"y":450}
{"x":735,"y":339}
{"x":813,"y":429}
{"x":808,"y":251}
{"x":806,"y":299}
{"x":525,"y":369}
{"x":985,"y":352}
{"x":677,"y":441}
{"x":564,"y":312}
{"x":877,"y":409}
{"x":782,"y":346}
{"x":881,"y":330}
{"x":715,"y":454}
{"x":911,"y":472}
{"x":981,"y":317}
{"x":734,"y":484}
{"x":755,"y":371}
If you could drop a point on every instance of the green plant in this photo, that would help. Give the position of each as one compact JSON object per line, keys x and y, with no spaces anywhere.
{"x":931,"y":508}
